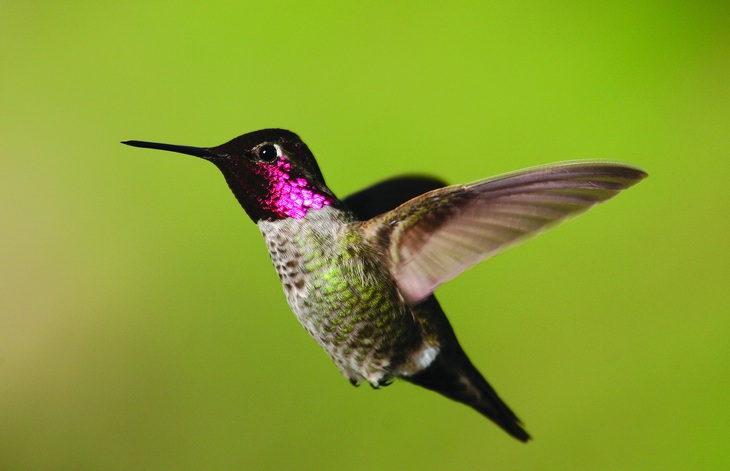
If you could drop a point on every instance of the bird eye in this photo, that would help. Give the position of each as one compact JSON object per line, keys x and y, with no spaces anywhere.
{"x":268,"y":153}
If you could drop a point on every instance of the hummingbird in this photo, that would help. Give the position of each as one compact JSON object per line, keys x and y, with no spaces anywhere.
{"x":359,"y":273}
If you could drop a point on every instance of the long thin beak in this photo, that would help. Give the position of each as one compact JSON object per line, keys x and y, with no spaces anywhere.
{"x":202,"y":152}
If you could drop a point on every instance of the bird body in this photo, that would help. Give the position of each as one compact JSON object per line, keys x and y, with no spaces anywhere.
{"x":360,"y":273}
{"x":340,"y":290}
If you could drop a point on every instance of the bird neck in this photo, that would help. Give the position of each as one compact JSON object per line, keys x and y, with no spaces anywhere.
{"x":274,"y":192}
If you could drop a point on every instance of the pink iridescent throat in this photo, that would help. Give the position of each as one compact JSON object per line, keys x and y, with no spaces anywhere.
{"x":289,"y":195}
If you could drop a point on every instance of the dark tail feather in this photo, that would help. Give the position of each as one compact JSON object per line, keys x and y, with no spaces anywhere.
{"x":452,"y":375}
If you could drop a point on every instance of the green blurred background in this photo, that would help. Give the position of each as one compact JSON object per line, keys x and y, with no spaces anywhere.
{"x":143,"y":327}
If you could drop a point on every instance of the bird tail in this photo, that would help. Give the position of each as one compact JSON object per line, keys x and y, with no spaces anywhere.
{"x":453,"y":375}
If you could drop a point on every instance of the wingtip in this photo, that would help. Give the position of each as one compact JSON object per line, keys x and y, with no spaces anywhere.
{"x":631,"y":172}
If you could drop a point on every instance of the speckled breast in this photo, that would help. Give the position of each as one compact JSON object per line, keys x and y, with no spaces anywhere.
{"x":342,"y":293}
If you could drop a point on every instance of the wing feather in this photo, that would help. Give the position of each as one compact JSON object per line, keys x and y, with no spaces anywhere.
{"x":436,"y":236}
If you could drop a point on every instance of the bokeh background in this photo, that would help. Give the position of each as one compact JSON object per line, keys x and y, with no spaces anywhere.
{"x":143,"y":327}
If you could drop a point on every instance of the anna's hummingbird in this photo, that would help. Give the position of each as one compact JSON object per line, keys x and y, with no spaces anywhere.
{"x":360,"y":273}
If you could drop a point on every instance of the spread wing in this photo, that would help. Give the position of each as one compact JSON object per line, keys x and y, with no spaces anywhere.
{"x":436,"y":236}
